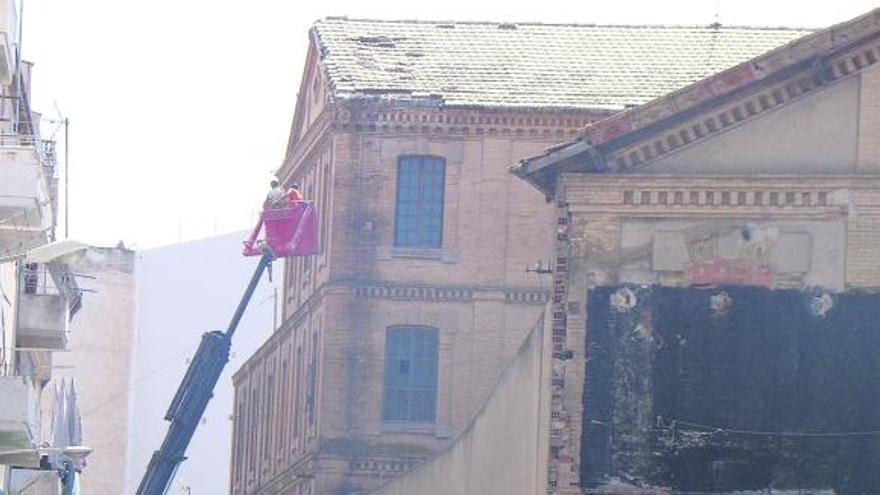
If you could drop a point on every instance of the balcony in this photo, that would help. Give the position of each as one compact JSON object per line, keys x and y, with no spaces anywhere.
{"x":26,"y":218}
{"x":18,"y":423}
{"x":48,"y":297}
{"x":8,"y":38}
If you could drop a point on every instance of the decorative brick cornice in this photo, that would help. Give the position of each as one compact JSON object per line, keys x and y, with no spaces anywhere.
{"x":383,"y":466}
{"x":723,"y":118}
{"x":387,"y":291}
{"x":449,"y":293}
{"x":526,"y":297}
{"x":415,"y":292}
{"x":668,"y":197}
{"x":436,"y":121}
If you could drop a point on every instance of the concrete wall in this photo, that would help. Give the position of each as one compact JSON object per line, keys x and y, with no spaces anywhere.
{"x":8,"y":281}
{"x":503,"y":450}
{"x":183,"y":291}
{"x":99,"y":362}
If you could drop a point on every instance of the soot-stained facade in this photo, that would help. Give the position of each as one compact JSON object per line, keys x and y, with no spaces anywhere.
{"x":732,"y":388}
{"x":716,"y":267}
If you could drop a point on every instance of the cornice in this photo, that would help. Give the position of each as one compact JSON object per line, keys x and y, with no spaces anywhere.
{"x":390,"y":291}
{"x":715,"y":197}
{"x":385,"y":118}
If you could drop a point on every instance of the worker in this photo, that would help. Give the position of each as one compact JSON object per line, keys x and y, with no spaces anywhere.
{"x":293,"y":195}
{"x":275,"y":198}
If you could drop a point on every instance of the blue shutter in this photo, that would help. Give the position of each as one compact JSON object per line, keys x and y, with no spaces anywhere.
{"x":411,"y":374}
{"x":421,"y":184}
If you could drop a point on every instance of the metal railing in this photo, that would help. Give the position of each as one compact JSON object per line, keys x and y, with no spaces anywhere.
{"x":37,"y":279}
{"x":65,"y":281}
{"x":51,"y":279}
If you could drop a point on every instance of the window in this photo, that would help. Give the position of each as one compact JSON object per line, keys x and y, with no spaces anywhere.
{"x":269,"y":411}
{"x":410,"y":374}
{"x":312,"y":397}
{"x":324,"y":212}
{"x":283,"y":406}
{"x":420,"y":188}
{"x":252,"y":430}
{"x":241,"y":447}
{"x":297,"y":391}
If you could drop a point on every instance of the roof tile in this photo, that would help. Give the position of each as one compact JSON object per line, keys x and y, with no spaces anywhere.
{"x":530,"y":65}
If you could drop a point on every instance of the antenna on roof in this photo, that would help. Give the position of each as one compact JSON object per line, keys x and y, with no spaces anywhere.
{"x":717,"y":23}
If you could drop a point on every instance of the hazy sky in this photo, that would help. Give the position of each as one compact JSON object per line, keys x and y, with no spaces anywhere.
{"x":179,"y":109}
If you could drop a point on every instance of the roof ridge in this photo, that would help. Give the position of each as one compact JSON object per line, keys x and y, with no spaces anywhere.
{"x":565,"y":24}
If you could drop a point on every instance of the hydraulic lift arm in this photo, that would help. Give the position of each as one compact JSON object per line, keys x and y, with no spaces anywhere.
{"x":195,"y":391}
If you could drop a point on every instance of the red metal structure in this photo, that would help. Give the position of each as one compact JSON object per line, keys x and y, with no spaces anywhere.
{"x":288,"y":231}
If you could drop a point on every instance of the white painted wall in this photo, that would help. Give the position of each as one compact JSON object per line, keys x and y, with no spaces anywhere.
{"x":181,"y":292}
{"x":99,"y":362}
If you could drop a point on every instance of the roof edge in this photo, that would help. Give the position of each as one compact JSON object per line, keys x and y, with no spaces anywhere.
{"x":617,"y":131}
{"x":454,"y":22}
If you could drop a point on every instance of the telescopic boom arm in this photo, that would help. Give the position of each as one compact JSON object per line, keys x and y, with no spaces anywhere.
{"x":195,"y":391}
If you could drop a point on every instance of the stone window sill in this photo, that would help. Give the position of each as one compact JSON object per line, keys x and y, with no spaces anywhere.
{"x":436,"y":254}
{"x":409,"y":427}
{"x":420,"y":253}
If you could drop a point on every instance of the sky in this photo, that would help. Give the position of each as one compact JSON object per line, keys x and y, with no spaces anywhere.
{"x":179,"y":110}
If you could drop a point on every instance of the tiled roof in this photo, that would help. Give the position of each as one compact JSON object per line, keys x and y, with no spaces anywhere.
{"x":529,"y":65}
{"x":817,"y":59}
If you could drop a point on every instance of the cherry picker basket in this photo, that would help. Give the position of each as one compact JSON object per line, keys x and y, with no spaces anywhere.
{"x":288,"y":231}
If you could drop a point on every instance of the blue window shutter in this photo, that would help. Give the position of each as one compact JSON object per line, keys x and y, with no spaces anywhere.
{"x":411,"y":354}
{"x":421,"y":182}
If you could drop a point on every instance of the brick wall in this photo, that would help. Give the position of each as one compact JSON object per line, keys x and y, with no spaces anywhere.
{"x":869,"y":121}
{"x":599,"y":206}
{"x":474,"y":289}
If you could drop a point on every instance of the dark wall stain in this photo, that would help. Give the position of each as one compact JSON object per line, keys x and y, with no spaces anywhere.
{"x":732,"y":388}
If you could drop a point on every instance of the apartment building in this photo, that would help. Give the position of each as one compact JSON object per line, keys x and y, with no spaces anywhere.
{"x":434,"y":258}
{"x":38,"y":299}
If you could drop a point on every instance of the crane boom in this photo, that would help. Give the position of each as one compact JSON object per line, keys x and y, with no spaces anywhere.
{"x":195,"y":391}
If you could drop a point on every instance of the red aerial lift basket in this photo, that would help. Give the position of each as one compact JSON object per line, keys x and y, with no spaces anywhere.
{"x":289,"y":231}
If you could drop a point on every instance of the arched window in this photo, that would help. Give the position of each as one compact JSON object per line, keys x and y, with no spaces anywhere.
{"x":410,"y":374}
{"x":418,"y":219}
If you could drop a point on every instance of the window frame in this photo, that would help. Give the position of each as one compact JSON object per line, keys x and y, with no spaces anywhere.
{"x":422,"y":159}
{"x":409,"y":416}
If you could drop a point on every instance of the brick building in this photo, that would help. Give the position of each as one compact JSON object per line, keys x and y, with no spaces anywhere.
{"x":395,"y":334}
{"x":715,"y":309}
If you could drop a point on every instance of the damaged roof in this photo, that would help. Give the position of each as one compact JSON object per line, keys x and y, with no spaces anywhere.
{"x":818,"y":51}
{"x":484,"y":64}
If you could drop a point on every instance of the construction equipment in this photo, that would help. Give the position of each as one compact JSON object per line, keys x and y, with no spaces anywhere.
{"x":289,"y":231}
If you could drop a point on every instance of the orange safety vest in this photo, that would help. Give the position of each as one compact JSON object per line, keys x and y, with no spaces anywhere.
{"x":294,"y":195}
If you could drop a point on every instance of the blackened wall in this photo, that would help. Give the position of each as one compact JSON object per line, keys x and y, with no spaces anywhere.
{"x":732,"y":388}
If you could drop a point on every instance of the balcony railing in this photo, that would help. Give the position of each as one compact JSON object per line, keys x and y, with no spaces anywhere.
{"x":49,"y":296}
{"x":27,"y":187}
{"x":18,"y":420}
